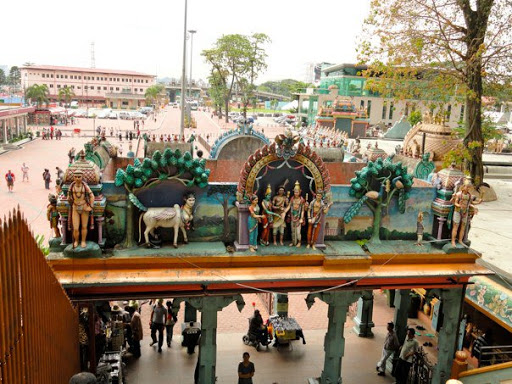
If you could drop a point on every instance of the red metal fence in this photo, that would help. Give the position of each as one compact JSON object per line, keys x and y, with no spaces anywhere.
{"x":38,"y":323}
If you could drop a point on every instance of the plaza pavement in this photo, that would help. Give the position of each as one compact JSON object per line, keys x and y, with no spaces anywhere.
{"x":283,"y":365}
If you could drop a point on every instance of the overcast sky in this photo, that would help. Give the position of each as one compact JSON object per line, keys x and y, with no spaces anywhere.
{"x":147,"y":36}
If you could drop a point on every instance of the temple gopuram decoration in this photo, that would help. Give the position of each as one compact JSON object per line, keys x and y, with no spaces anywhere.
{"x":375,"y":185}
{"x":226,"y":137}
{"x":91,"y":176}
{"x":170,"y":165}
{"x":342,"y":115}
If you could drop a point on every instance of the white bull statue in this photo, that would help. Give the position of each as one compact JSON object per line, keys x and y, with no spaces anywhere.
{"x":168,"y":217}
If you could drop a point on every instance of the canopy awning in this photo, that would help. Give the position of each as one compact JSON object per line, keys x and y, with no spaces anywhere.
{"x":492,"y":299}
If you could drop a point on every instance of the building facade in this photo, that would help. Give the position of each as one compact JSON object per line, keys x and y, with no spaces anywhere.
{"x":91,"y":86}
{"x":348,"y":80}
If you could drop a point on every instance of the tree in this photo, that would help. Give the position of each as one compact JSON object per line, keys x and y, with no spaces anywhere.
{"x":169,"y":165}
{"x":3,"y":79}
{"x":217,"y":91}
{"x":66,"y":94}
{"x":153,"y":94}
{"x":414,"y":118}
{"x":14,"y":77}
{"x":450,"y":45}
{"x":375,"y":185}
{"x":223,"y":194}
{"x":233,"y":58}
{"x":37,"y":93}
{"x":273,"y":104}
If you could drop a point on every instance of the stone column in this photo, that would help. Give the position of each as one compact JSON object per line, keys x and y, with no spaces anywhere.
{"x":209,"y":306}
{"x":190,"y":313}
{"x":334,"y":342}
{"x":402,"y":303}
{"x":281,"y":304}
{"x":4,"y":124}
{"x":99,"y":223}
{"x":363,"y":320}
{"x":451,"y":302}
{"x":242,"y":230}
{"x":16,"y":123}
{"x":64,"y":229}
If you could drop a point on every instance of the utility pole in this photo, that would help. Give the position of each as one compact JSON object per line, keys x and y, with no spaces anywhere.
{"x":183,"y":75}
{"x":190,"y":74}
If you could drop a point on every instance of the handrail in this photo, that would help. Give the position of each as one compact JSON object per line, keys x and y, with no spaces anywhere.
{"x":489,"y":368}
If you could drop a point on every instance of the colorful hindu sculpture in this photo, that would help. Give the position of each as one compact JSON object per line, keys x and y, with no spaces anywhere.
{"x":419,"y":229}
{"x":280,"y":204}
{"x":52,"y":214}
{"x":253,"y":220}
{"x":296,"y":207}
{"x":81,"y":200}
{"x":317,"y":208}
{"x":177,"y":217}
{"x":464,"y":210}
{"x":267,"y":217}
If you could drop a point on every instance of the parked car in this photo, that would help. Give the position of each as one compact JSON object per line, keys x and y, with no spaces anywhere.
{"x":113,"y":115}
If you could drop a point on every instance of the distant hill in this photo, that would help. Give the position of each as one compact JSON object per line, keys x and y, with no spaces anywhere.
{"x":283,"y":87}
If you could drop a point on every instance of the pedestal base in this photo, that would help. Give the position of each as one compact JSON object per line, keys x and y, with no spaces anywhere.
{"x":55,"y":244}
{"x":459,"y":248}
{"x":91,"y":250}
{"x":240,"y":247}
{"x":362,"y":329}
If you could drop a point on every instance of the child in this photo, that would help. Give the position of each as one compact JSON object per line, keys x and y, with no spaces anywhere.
{"x":419,"y":229}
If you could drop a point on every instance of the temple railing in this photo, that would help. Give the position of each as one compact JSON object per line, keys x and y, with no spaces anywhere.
{"x":38,"y":323}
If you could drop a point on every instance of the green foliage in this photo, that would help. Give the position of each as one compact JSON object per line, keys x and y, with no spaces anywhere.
{"x":414,"y":118}
{"x":155,"y":93}
{"x":284,"y":87}
{"x":137,"y":202}
{"x":40,"y":243}
{"x":66,"y":94}
{"x":3,"y":79}
{"x":38,"y":93}
{"x":354,"y":209}
{"x":489,"y":130}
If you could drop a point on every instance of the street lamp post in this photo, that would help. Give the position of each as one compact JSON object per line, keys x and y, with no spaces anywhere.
{"x":183,"y":75}
{"x":190,"y":73}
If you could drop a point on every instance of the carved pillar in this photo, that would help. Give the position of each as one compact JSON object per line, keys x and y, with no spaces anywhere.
{"x":440,"y":227}
{"x":321,"y":234}
{"x":242,"y":229}
{"x":4,"y":124}
{"x":64,"y":229}
{"x":99,"y":223}
{"x":209,"y":306}
{"x":363,"y":320}
{"x":281,"y":304}
{"x":451,"y":301}
{"x":402,"y":303}
{"x":334,"y":342}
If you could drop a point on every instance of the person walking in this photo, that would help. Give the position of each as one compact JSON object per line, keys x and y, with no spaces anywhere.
{"x":391,"y":345}
{"x":409,"y":348}
{"x":60,"y":175}
{"x":169,"y":324}
{"x":158,"y":319}
{"x":10,"y":178}
{"x":245,"y":370}
{"x":24,"y":170}
{"x":71,"y":155}
{"x":47,"y":177}
{"x":136,"y":326}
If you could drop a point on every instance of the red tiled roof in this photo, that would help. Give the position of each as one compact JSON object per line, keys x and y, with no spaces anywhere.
{"x":89,"y":70}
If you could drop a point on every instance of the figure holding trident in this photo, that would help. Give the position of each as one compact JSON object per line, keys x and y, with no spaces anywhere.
{"x":81,"y":201}
{"x":464,"y":211}
{"x":296,"y":207}
{"x":316,"y":209}
{"x":279,"y":204}
{"x":267,"y":217}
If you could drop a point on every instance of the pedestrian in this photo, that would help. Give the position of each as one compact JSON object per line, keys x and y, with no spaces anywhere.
{"x":60,"y":175}
{"x":71,"y":155}
{"x":120,"y":150}
{"x":245,"y":370}
{"x":47,"y":178}
{"x":391,"y":345}
{"x":169,"y":324}
{"x":409,"y":348}
{"x":10,"y":178}
{"x":120,"y":136}
{"x":158,"y":319}
{"x":136,"y":326}
{"x":24,"y":170}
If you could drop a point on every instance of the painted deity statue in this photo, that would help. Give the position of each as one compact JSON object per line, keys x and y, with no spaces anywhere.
{"x":317,"y":208}
{"x":53,"y":215}
{"x":280,"y":204}
{"x":464,"y":209}
{"x":267,"y":217}
{"x":253,"y":220}
{"x":81,"y":200}
{"x":296,"y":207}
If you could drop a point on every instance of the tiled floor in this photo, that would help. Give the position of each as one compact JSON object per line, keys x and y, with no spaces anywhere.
{"x":282,"y":365}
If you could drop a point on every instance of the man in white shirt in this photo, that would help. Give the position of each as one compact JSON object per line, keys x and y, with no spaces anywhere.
{"x":409,"y":348}
{"x":391,"y":345}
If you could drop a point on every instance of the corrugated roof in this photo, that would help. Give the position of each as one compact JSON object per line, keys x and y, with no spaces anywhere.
{"x":89,"y":70}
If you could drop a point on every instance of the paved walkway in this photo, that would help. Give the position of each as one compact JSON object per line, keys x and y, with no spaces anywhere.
{"x":273,"y":365}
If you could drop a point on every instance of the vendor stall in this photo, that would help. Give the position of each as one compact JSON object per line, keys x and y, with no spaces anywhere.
{"x":285,"y":329}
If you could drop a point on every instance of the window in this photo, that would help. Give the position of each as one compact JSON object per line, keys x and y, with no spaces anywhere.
{"x":44,"y":75}
{"x":110,"y":79}
{"x":72,"y":87}
{"x":117,"y":88}
{"x":92,"y":87}
{"x":384,"y":110}
{"x":58,"y":85}
{"x":104,"y":88}
{"x":79,"y":87}
{"x":462,"y":112}
{"x":51,"y":85}
{"x":362,"y":104}
{"x":97,"y":78}
{"x":111,"y":88}
{"x":58,"y":76}
{"x":85,"y":87}
{"x":66,"y":76}
{"x":146,"y":81}
{"x":51,"y":76}
{"x":118,"y":79}
{"x":391,"y":108}
{"x":369,"y":109}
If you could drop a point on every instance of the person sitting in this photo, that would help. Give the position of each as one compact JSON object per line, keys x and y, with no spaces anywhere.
{"x":257,"y":329}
